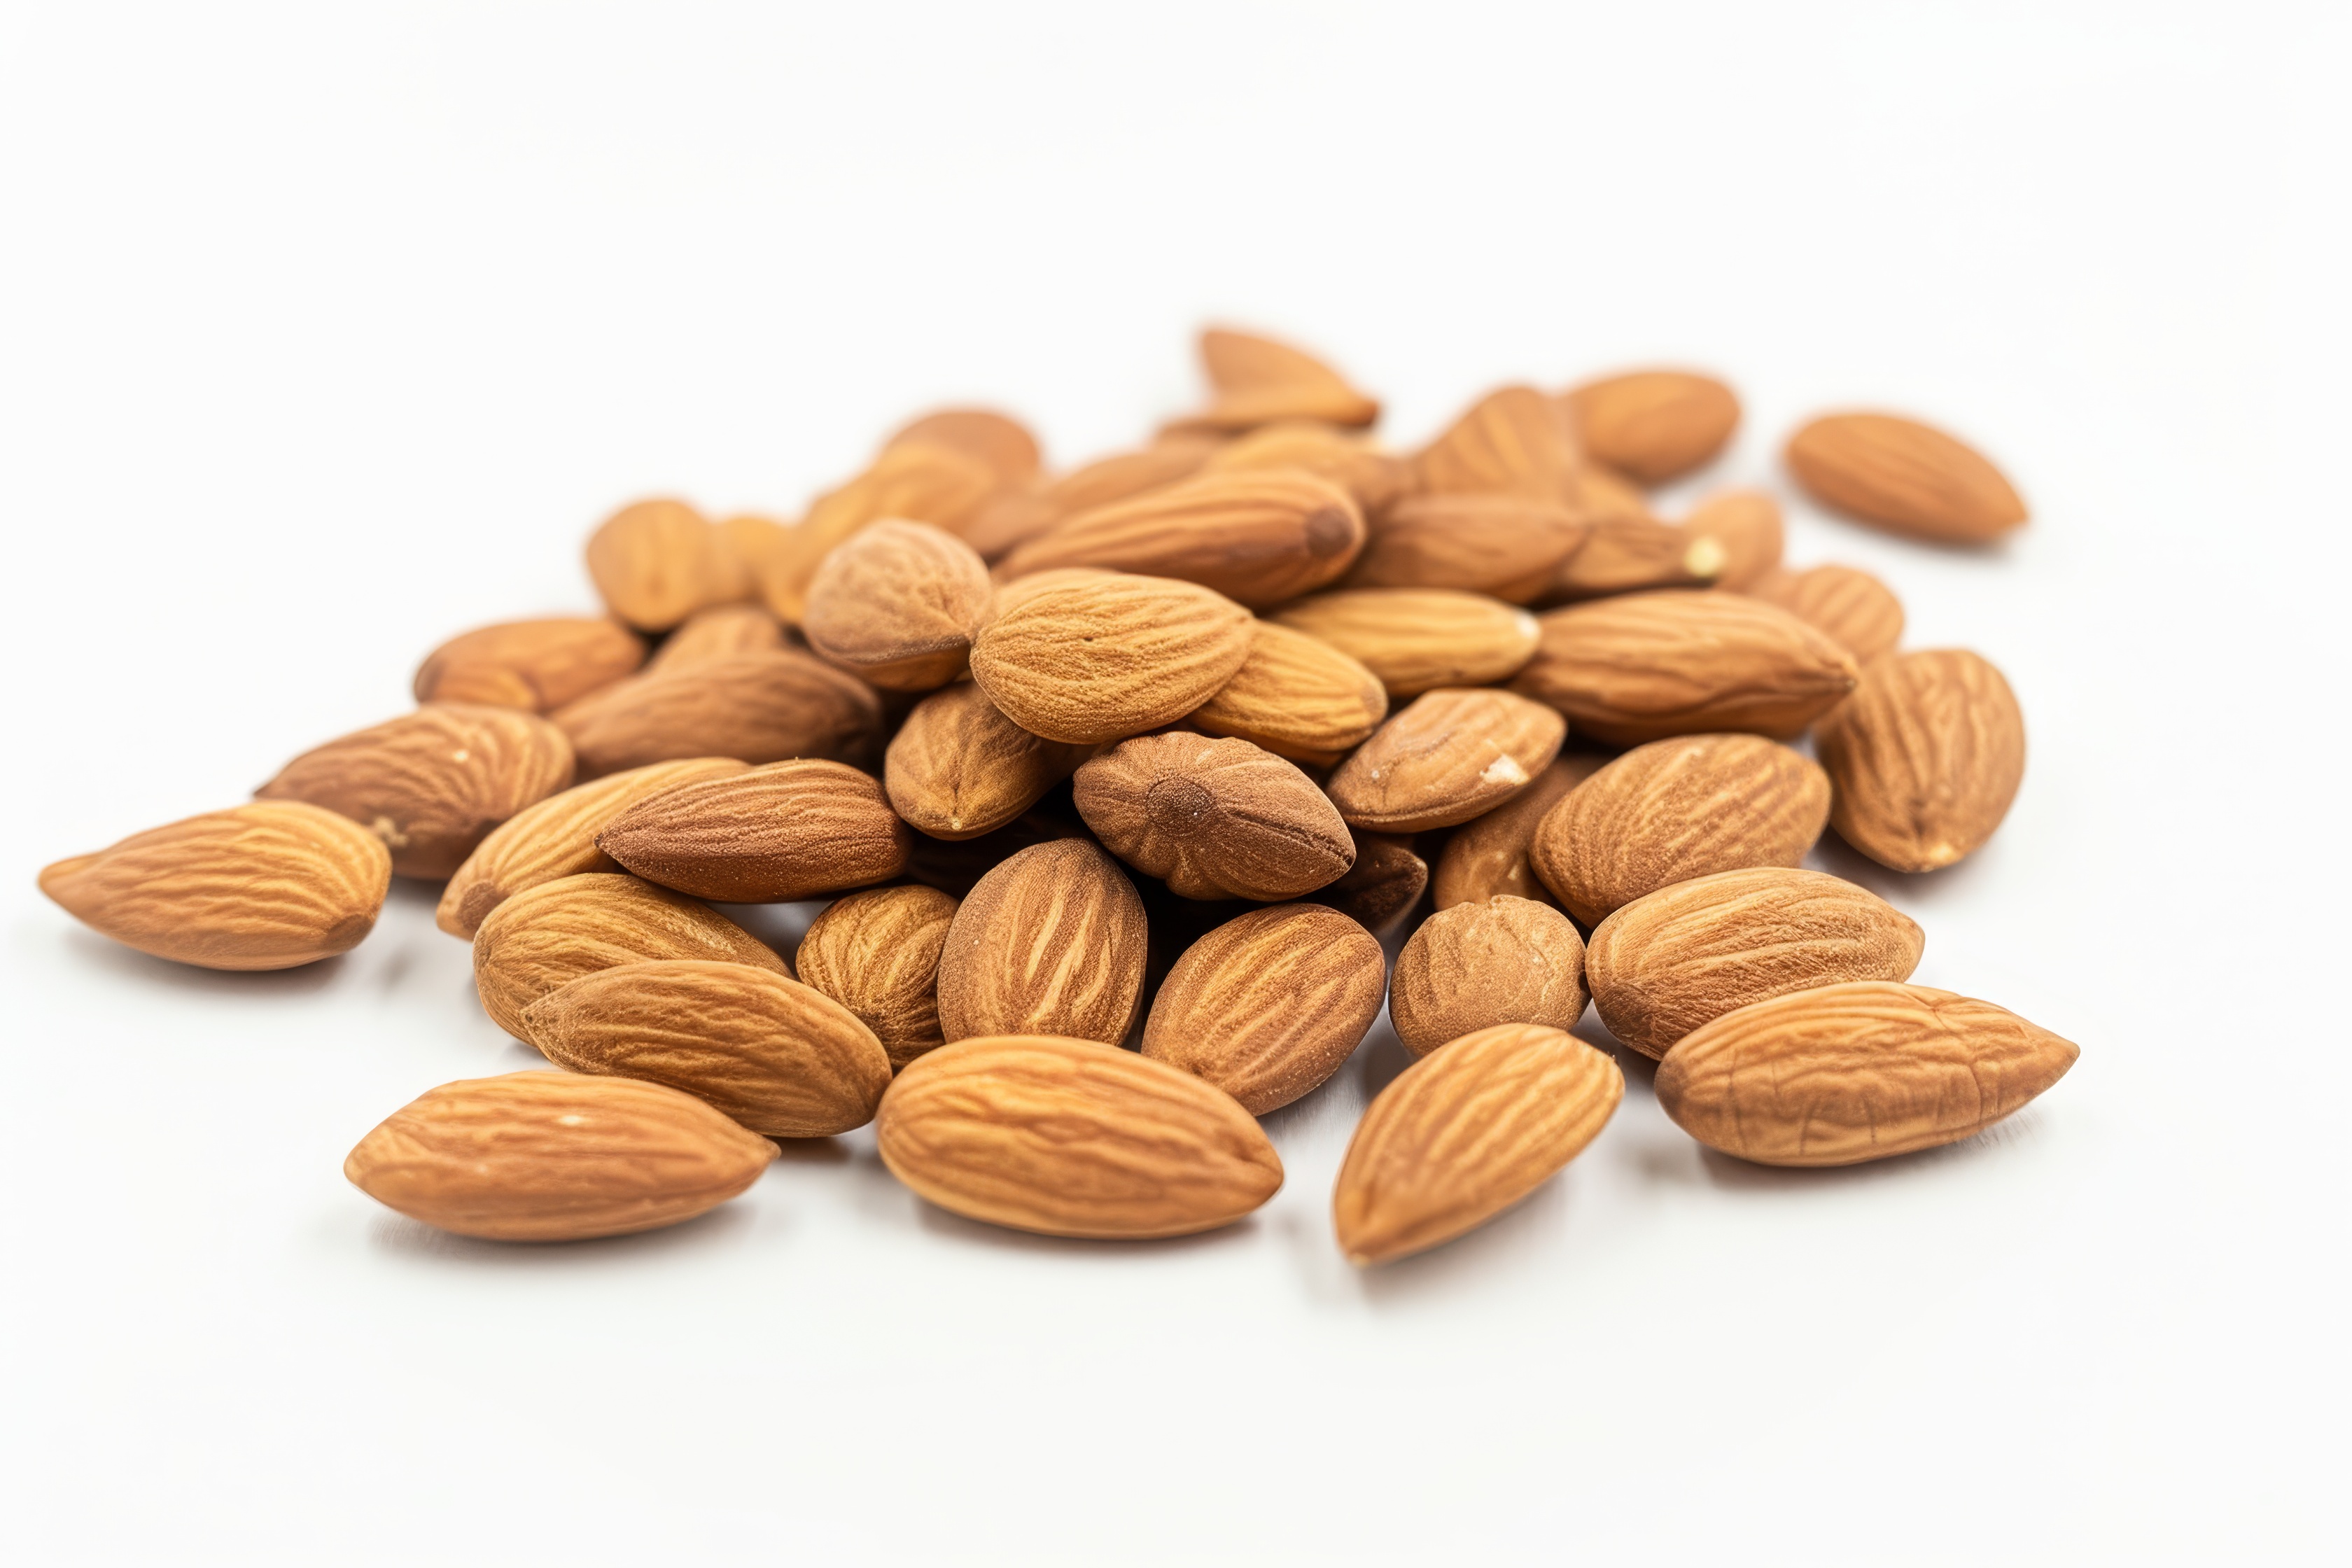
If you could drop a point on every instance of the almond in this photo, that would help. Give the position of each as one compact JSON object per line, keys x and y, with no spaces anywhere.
{"x":658,"y":562}
{"x":1509,"y":546}
{"x":956,"y":865}
{"x":1020,"y":515}
{"x":1267,"y":1006}
{"x":551,"y":935}
{"x":1858,"y":611}
{"x":1677,"y":809}
{"x":722,"y":631}
{"x":1217,"y":819}
{"x":1297,"y":696}
{"x":1597,"y":494}
{"x":1383,"y":886}
{"x":1070,"y":1137}
{"x":761,"y":707}
{"x":434,"y":783}
{"x":1738,"y":533}
{"x":770,"y":835}
{"x":1416,"y":639}
{"x":1503,"y":960}
{"x":1840,"y":1074}
{"x":1466,"y":1132}
{"x":1256,"y":381}
{"x":1623,"y":554}
{"x":751,"y":545}
{"x":998,"y":440}
{"x":553,"y":1156}
{"x":1655,"y":425}
{"x":1908,"y":477}
{"x":534,"y":665}
{"x":1489,"y":853}
{"x":912,"y":479}
{"x":898,"y":604}
{"x":255,"y":887}
{"x":957,"y":768}
{"x":1675,"y":662}
{"x":1672,"y":959}
{"x":557,"y":837}
{"x":1100,"y":657}
{"x":1925,"y":758}
{"x":1052,"y":941}
{"x":1375,"y":479}
{"x":1451,"y":755}
{"x":1513,"y":441}
{"x":768,"y":1053}
{"x":877,"y":953}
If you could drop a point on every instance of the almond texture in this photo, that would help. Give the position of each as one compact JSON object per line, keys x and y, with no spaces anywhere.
{"x":1907,"y":476}
{"x":1087,"y":657}
{"x":915,"y":480}
{"x":1654,"y":425}
{"x":1216,"y":819}
{"x":898,"y":604}
{"x":1297,"y":696}
{"x":1503,"y":960}
{"x":877,"y":953}
{"x":534,"y":665}
{"x":762,"y":707}
{"x":769,"y":835}
{"x":1052,"y":940}
{"x":959,"y":768}
{"x":1861,"y":613}
{"x":1625,"y":554}
{"x":1513,"y":441}
{"x":1510,"y":546}
{"x":1416,"y":639}
{"x":1925,"y":759}
{"x":1449,"y":756}
{"x":1489,"y":853}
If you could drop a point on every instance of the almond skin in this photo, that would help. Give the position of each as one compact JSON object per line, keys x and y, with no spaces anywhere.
{"x":1466,"y":1132}
{"x":1449,"y":756}
{"x":1090,"y":657}
{"x":1688,"y":954}
{"x":1051,"y":940}
{"x":268,"y":886}
{"x":1417,"y":638}
{"x":1840,"y":1074}
{"x":656,"y":562}
{"x":1000,"y":442}
{"x":1654,"y":425}
{"x":1267,"y":1006}
{"x":1509,"y":546}
{"x":1375,"y":479}
{"x":1489,"y":853}
{"x":1678,"y":662}
{"x":1738,"y":533}
{"x":768,"y":1053}
{"x":959,"y":768}
{"x":912,"y":479}
{"x":719,"y":632}
{"x":434,"y":783}
{"x":1513,"y":441}
{"x":1502,"y":961}
{"x":554,"y":1156}
{"x":1677,"y":809}
{"x":1071,"y":1137}
{"x":1925,"y":759}
{"x":898,"y":604}
{"x":1383,"y":886}
{"x":1217,"y":819}
{"x":1255,"y":381}
{"x":770,"y":835}
{"x":532,"y":664}
{"x":1297,"y":696}
{"x":877,"y":953}
{"x":551,"y":935}
{"x":1861,"y":613}
{"x":1909,"y":478}
{"x":1624,"y":555}
{"x":1021,"y":515}
{"x":761,"y":707}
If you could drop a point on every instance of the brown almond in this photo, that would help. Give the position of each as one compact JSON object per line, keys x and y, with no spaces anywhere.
{"x":1737,"y":535}
{"x":751,"y":545}
{"x":1374,"y":479}
{"x":1466,"y":1132}
{"x":1925,"y":758}
{"x":1858,"y":611}
{"x":1654,"y":425}
{"x":1510,"y":546}
{"x":268,"y":886}
{"x":1255,"y":381}
{"x":1216,"y":819}
{"x":877,"y":953}
{"x":434,"y":783}
{"x":534,"y":665}
{"x":1052,"y":941}
{"x":720,"y":632}
{"x":1622,"y":554}
{"x":1451,"y":755}
{"x":1018,"y":515}
{"x":770,"y":835}
{"x":658,"y":562}
{"x":1677,"y":809}
{"x":1417,"y":638}
{"x":1907,"y":476}
{"x":1597,"y":493}
{"x":1297,"y":696}
{"x":555,"y":1156}
{"x":1502,"y":961}
{"x":959,"y":768}
{"x":1097,"y":657}
{"x":1488,"y":855}
{"x":898,"y":604}
{"x":1513,"y":441}
{"x":997,"y":440}
{"x":1840,"y":1073}
{"x":914,"y":480}
{"x":761,"y":707}
{"x":1383,"y":886}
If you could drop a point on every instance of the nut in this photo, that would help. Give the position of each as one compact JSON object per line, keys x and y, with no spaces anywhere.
{"x":1853,"y":607}
{"x":717,"y":633}
{"x":1738,"y":535}
{"x":916,"y":480}
{"x":1925,"y":758}
{"x":1022,"y":514}
{"x":1085,"y":657}
{"x":1417,"y":638}
{"x":532,"y":664}
{"x":1297,"y":696}
{"x":770,"y":835}
{"x":1909,"y":477}
{"x":1449,"y":756}
{"x":1256,"y":381}
{"x":1504,"y":960}
{"x":1052,"y":940}
{"x":1489,"y":853}
{"x":1655,"y":425}
{"x":1383,"y":886}
{"x":1513,"y":441}
{"x":1000,"y":442}
{"x":760,"y":706}
{"x":898,"y":604}
{"x":1510,"y":546}
{"x":877,"y":953}
{"x":658,"y":562}
{"x":1373,"y":478}
{"x":1217,"y":819}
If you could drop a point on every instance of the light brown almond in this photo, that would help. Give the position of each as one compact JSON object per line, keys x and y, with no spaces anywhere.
{"x":1598,"y":493}
{"x":1861,"y":613}
{"x":1738,"y":535}
{"x":1052,"y":941}
{"x":1417,"y":638}
{"x":1907,"y":476}
{"x":1623,"y":554}
{"x":1216,"y":819}
{"x":1925,"y":758}
{"x":898,"y":604}
{"x":1513,"y":441}
{"x":1384,"y":885}
{"x":998,"y":440}
{"x":1654,"y":425}
{"x":750,"y":545}
{"x":1510,"y":546}
{"x":760,"y":706}
{"x":1255,"y":381}
{"x":1501,"y":960}
{"x":1376,"y":480}
{"x":959,"y":768}
{"x":770,"y":835}
{"x":877,"y":953}
{"x":534,"y":665}
{"x":1488,"y":855}
{"x":720,"y":632}
{"x":1451,"y":755}
{"x":1098,"y":656}
{"x":1018,"y":515}
{"x":1297,"y":696}
{"x":658,"y":562}
{"x":913,"y":479}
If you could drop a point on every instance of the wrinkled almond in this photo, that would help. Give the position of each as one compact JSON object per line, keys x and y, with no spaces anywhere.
{"x":1925,"y":758}
{"x":761,"y":707}
{"x":769,"y":835}
{"x":1417,"y":638}
{"x":1501,"y":960}
{"x":1051,"y":940}
{"x":1861,"y":613}
{"x":1513,"y":441}
{"x":1216,"y":819}
{"x":959,"y":768}
{"x":916,"y":480}
{"x":1451,"y":755}
{"x":898,"y":604}
{"x":1297,"y":696}
{"x":1087,"y":657}
{"x":877,"y":953}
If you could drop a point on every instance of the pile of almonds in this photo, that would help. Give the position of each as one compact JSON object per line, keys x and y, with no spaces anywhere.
{"x":1119,"y":780}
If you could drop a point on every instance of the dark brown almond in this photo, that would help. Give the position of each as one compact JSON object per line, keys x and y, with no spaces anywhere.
{"x":759,"y":707}
{"x":1383,"y":888}
{"x":770,"y":835}
{"x":1217,"y":819}
{"x":1488,"y":855}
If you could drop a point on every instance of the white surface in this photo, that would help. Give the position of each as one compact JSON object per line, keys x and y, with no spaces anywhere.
{"x":327,"y":334}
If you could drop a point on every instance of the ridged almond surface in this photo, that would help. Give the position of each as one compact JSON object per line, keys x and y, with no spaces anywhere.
{"x":1488,"y":855}
{"x":555,"y":1156}
{"x":1373,"y":478}
{"x":1092,"y":656}
{"x":1677,"y":809}
{"x":1925,"y":758}
{"x":1510,"y":546}
{"x":898,"y":604}
{"x":434,"y":783}
{"x":1024,"y":514}
{"x":769,"y":835}
{"x":552,"y":935}
{"x":1451,"y":755}
{"x":1297,"y":696}
{"x":959,"y":768}
{"x":268,"y":886}
{"x":557,"y":837}
{"x":877,"y":953}
{"x":1691,"y":952}
{"x":1052,"y":941}
{"x":1861,"y":613}
{"x":1907,"y":476}
{"x":1255,"y":381}
{"x":761,"y":707}
{"x":1655,"y":425}
{"x":1513,"y":441}
{"x":1383,"y":886}
{"x":1466,"y":1132}
{"x":1417,"y":638}
{"x":919,"y":480}
{"x":1216,"y":819}
{"x":535,"y":665}
{"x":998,"y":440}
{"x":1627,"y":555}
{"x":658,"y":562}
{"x":768,"y":1053}
{"x":1070,"y":1137}
{"x":722,"y":631}
{"x":1502,"y":961}
{"x":1738,"y":533}
{"x":1267,"y":1006}
{"x":1646,"y":665}
{"x":1841,"y":1074}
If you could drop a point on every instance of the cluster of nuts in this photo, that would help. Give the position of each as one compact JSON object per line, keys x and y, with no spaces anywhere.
{"x":1155,"y":754}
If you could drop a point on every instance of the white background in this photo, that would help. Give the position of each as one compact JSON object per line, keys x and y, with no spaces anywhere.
{"x":329,"y":330}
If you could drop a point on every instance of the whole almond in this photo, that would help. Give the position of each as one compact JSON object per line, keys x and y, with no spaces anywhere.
{"x":557,"y":837}
{"x":877,"y":953}
{"x":1071,"y":1137}
{"x":769,"y":835}
{"x":1297,"y":696}
{"x":761,"y":707}
{"x":555,"y":1156}
{"x":720,"y":632}
{"x":1255,"y":381}
{"x":1383,"y":888}
{"x":1672,"y":959}
{"x":1907,"y":476}
{"x":1021,"y":515}
{"x":751,"y":545}
{"x":434,"y":783}
{"x":1853,"y":607}
{"x":1267,"y":1006}
{"x":1622,"y":554}
{"x":1376,"y":480}
{"x":998,"y":440}
{"x":1840,"y":1074}
{"x":898,"y":604}
{"x":1489,"y":853}
{"x":1449,"y":756}
{"x":1502,"y":961}
{"x":534,"y":665}
{"x":1513,"y":441}
{"x":1738,"y":533}
{"x":268,"y":886}
{"x":1654,"y":425}
{"x":1466,"y":1132}
{"x":917,"y":480}
{"x":1510,"y":546}
{"x":1677,"y":809}
{"x":1417,"y":638}
{"x":1052,"y":941}
{"x":1925,"y":758}
{"x":1678,"y":662}
{"x":552,"y":935}
{"x":959,"y":768}
{"x":658,"y":562}
{"x":768,"y":1053}
{"x":1086,"y":658}
{"x":1216,"y":819}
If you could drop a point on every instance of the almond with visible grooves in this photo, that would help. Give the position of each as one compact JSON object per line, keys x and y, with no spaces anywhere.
{"x":1853,"y":607}
{"x":1488,"y":855}
{"x":720,"y":632}
{"x":769,"y":835}
{"x":1907,"y":476}
{"x":1416,"y":639}
{"x":1655,"y":425}
{"x":1216,"y":819}
{"x":656,"y":562}
{"x":1502,"y":961}
{"x":1510,"y":546}
{"x":1297,"y":696}
{"x":1255,"y":381}
{"x":912,"y":479}
{"x":1451,"y":755}
{"x":1021,"y":515}
{"x":898,"y":605}
{"x":1513,"y":441}
{"x":533,"y":664}
{"x":1925,"y":758}
{"x":877,"y":953}
{"x":1092,"y":657}
{"x":1375,"y":479}
{"x":957,"y":768}
{"x":1052,"y":941}
{"x":761,"y":707}
{"x":1622,"y":554}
